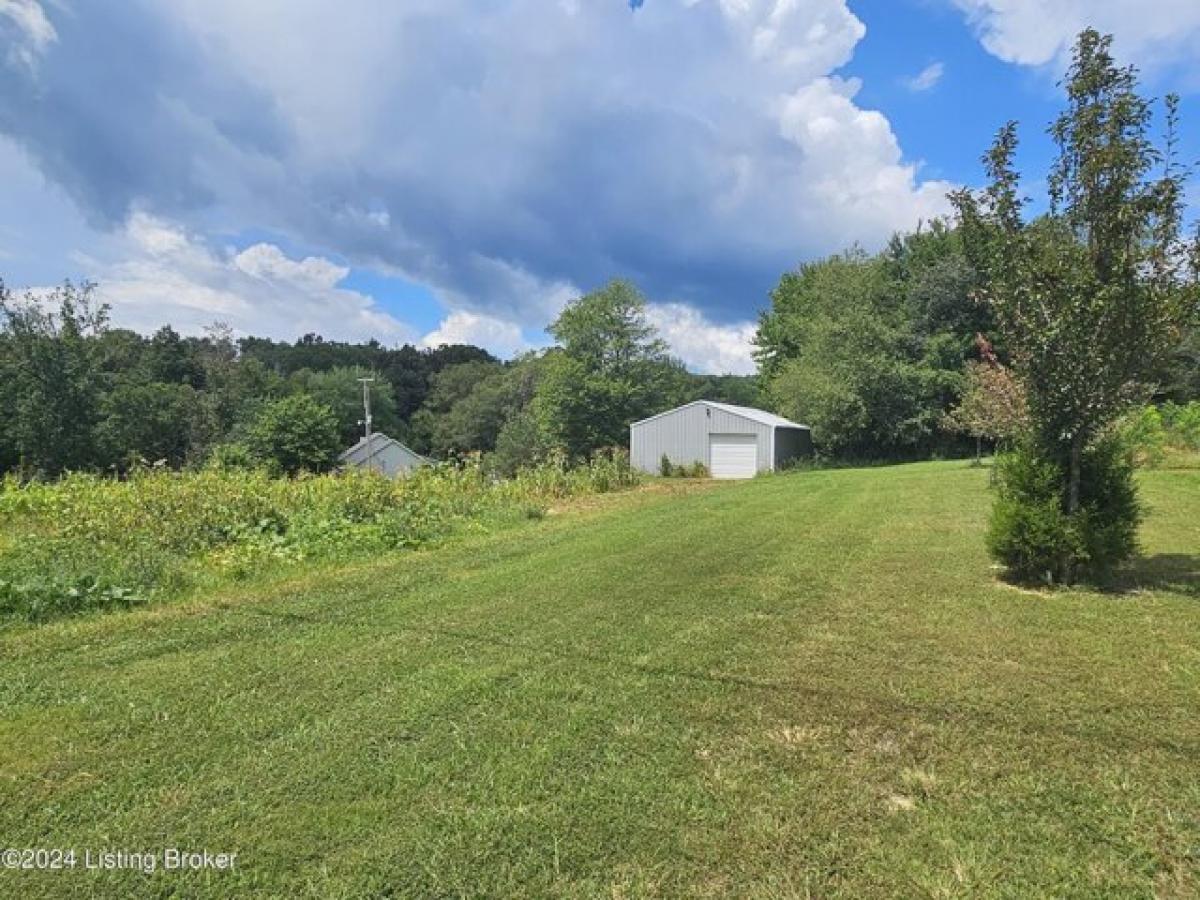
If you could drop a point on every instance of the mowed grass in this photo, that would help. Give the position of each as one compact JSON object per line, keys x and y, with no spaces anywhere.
{"x":806,"y":685}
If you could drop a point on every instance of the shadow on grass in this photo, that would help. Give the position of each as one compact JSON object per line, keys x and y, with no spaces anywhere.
{"x":1176,"y":572}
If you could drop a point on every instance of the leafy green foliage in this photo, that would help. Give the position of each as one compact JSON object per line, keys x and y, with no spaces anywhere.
{"x":340,"y":390}
{"x":233,"y":455}
{"x":1031,"y":532}
{"x":295,"y":434}
{"x":1144,"y":436}
{"x":469,"y":404}
{"x":993,"y":405}
{"x":856,"y":349}
{"x":668,"y":469}
{"x":41,"y":599}
{"x":1180,"y":379}
{"x":76,"y":395}
{"x":146,"y":422}
{"x":406,"y":369}
{"x":612,"y":369}
{"x":695,"y":469}
{"x":87,"y":542}
{"x":739,"y":390}
{"x":1182,"y":422}
{"x":1162,"y":435}
{"x":1094,"y":297}
{"x":521,"y":443}
{"x":49,"y":389}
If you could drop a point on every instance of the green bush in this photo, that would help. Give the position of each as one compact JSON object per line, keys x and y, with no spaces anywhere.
{"x":667,"y":469}
{"x":1032,"y":535}
{"x":234,"y":455}
{"x":295,"y":434}
{"x":521,"y":443}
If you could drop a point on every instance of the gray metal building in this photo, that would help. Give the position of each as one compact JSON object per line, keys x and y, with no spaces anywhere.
{"x":732,"y":441}
{"x":383,"y":454}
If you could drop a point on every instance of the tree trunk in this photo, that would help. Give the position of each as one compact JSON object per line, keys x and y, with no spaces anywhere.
{"x":1073,"y":475}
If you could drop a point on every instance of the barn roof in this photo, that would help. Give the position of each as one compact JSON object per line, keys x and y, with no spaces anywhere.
{"x":758,"y":415}
{"x":746,"y":412}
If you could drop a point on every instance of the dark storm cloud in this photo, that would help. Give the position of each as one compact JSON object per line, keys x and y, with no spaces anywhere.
{"x":499,"y":152}
{"x":125,"y":106}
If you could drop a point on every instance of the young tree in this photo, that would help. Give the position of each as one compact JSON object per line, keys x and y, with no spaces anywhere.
{"x":521,"y":442}
{"x":235,"y":386}
{"x":1092,"y":297}
{"x":993,"y":405}
{"x":295,"y":434}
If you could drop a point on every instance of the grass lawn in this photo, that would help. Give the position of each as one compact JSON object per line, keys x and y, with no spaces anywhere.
{"x":803,"y":685}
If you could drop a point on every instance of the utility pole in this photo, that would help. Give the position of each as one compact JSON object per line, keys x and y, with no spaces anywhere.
{"x":366,"y":422}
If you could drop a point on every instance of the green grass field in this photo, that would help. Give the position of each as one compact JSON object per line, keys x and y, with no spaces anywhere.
{"x":805,"y":685}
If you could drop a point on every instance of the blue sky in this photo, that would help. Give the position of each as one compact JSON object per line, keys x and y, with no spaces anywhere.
{"x":457,"y":170}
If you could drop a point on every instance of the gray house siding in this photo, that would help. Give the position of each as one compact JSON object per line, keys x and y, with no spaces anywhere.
{"x":683,"y":435}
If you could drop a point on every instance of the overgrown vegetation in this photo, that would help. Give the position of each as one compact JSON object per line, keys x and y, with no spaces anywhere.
{"x":89,"y":542}
{"x":668,"y":469}
{"x":1162,"y":435}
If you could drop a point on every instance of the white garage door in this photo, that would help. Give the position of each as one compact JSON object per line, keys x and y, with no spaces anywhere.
{"x":733,"y":455}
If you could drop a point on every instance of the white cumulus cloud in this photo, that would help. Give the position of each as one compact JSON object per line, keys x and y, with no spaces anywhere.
{"x":161,"y":274}
{"x":503,"y":339}
{"x":1036,"y":32}
{"x":497,"y":151}
{"x":852,"y":171}
{"x":704,"y":346}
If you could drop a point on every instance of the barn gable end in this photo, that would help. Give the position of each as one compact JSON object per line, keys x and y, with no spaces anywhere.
{"x":731,"y":441}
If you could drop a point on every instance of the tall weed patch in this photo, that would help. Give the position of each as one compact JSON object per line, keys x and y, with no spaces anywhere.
{"x":87,"y":542}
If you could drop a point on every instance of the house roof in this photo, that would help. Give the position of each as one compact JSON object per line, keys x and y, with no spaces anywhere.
{"x":379,"y":441}
{"x":746,"y":412}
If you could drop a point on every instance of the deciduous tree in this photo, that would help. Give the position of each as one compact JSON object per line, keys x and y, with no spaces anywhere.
{"x":612,"y":369}
{"x":1093,"y":296}
{"x":993,"y":405}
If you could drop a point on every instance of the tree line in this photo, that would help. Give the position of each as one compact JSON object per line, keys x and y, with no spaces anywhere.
{"x":77,"y":394}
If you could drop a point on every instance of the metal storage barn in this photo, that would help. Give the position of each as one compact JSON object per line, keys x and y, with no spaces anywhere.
{"x":732,"y":441}
{"x":381,"y":453}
